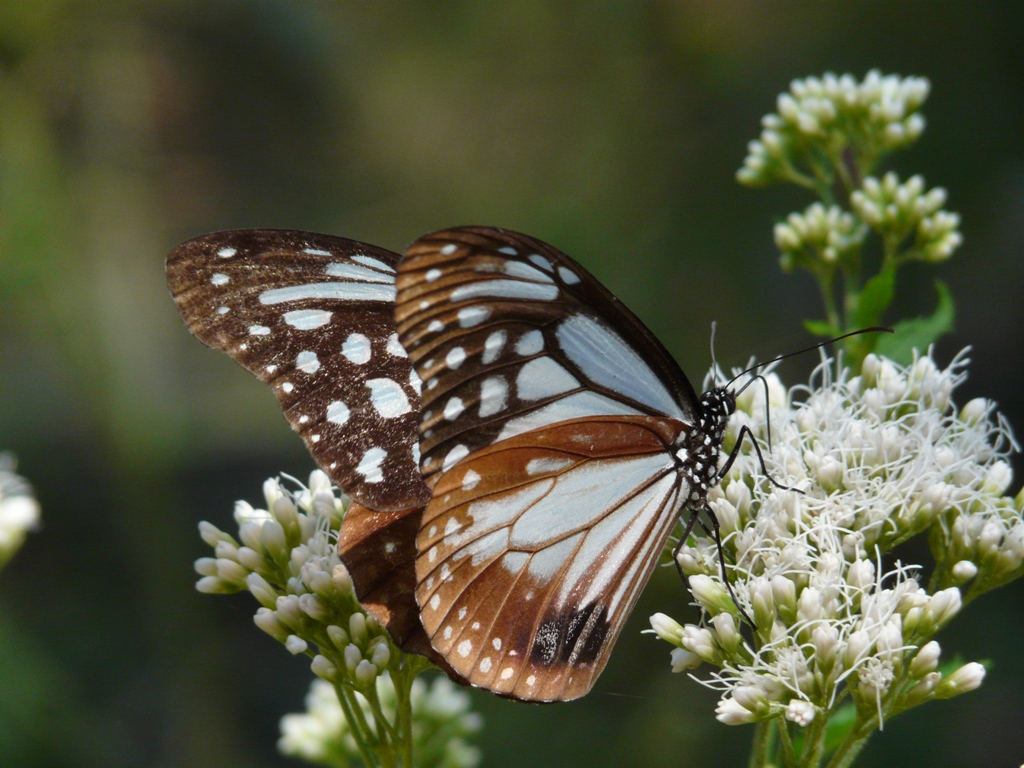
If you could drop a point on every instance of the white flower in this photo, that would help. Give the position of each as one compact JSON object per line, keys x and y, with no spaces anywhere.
{"x":322,"y":735}
{"x":878,"y":458}
{"x":877,"y":115}
{"x":19,"y":511}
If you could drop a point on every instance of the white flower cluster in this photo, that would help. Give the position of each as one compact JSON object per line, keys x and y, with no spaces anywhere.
{"x":877,"y":458}
{"x":443,"y":720}
{"x":287,"y":558}
{"x":19,"y":510}
{"x":897,"y":210}
{"x":819,"y":234}
{"x":877,"y":115}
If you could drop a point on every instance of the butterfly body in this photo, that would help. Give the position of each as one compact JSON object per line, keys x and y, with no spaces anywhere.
{"x":554,"y":441}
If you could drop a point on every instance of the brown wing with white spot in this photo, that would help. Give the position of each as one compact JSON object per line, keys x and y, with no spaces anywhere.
{"x":534,"y":550}
{"x":312,"y":316}
{"x":509,"y":334}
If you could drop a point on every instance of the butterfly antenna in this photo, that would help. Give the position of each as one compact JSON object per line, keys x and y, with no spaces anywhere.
{"x":819,"y":345}
{"x":714,"y":363}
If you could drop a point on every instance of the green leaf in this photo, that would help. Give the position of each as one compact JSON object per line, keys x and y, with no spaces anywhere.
{"x":874,"y":299}
{"x":919,"y":332}
{"x":839,"y":726}
{"x":820,"y":328}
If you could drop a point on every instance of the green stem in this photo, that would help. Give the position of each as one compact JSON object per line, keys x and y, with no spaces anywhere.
{"x":761,"y":750}
{"x":385,"y":729}
{"x":848,"y":750}
{"x":358,"y":725}
{"x":831,"y":313}
{"x":788,"y":753}
{"x":814,"y":742}
{"x":403,"y":713}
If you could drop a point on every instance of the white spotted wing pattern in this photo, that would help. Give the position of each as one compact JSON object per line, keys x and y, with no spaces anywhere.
{"x":560,"y":440}
{"x":312,"y":316}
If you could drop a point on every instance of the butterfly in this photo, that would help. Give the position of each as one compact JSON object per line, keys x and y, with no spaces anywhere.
{"x":518,"y":445}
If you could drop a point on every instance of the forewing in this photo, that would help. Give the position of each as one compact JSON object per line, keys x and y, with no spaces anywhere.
{"x":313,"y":316}
{"x":509,"y":334}
{"x":533,"y":551}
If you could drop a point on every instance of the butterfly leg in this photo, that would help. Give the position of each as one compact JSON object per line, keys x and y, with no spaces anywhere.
{"x":745,"y":432}
{"x":716,"y":535}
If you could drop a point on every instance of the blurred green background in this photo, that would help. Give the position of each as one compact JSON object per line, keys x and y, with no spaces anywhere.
{"x":612,"y":130}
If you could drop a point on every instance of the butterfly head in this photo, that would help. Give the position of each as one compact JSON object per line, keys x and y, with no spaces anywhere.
{"x":716,"y":406}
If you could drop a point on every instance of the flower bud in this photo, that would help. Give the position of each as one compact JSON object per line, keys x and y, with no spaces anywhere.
{"x":381,"y":655}
{"x":923,"y":691}
{"x":826,"y":643}
{"x":314,"y":607}
{"x":712,"y":597}
{"x":965,"y":679}
{"x":262,"y":591}
{"x":701,"y":642}
{"x":728,"y":636}
{"x":342,"y":580}
{"x":268,"y":621}
{"x":323,"y":668}
{"x":731,"y":712}
{"x":942,"y":607}
{"x":357,"y":628}
{"x":784,"y":593}
{"x":251,"y":559}
{"x":925,"y":660}
{"x":295,"y":644}
{"x":206,"y":566}
{"x":352,"y":657}
{"x":365,"y":673}
{"x":964,"y":571}
{"x":762,"y":601}
{"x":273,"y":542}
{"x":667,"y":628}
{"x":683,"y":659}
{"x":338,"y":636}
{"x":801,"y":712}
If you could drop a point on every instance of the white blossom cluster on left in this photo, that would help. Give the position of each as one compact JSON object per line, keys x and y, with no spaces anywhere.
{"x":286,"y":556}
{"x":19,"y":510}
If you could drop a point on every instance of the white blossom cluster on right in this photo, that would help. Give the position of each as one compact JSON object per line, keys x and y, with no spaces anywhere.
{"x":878,"y":458}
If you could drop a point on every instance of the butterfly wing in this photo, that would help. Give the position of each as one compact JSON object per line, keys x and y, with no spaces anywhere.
{"x":549,"y":412}
{"x":313,"y":316}
{"x":534,"y":550}
{"x":509,"y":334}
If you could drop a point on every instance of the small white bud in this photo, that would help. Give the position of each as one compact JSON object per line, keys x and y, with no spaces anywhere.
{"x":942,"y":607}
{"x":338,"y":636}
{"x":268,"y":621}
{"x":684,"y":659}
{"x":295,"y":644}
{"x":357,"y":628}
{"x":323,"y":668}
{"x":925,"y":660}
{"x":728,"y":635}
{"x":730,"y":712}
{"x":206,"y":566}
{"x":801,"y":712}
{"x":262,"y":591}
{"x":964,"y":571}
{"x":352,"y":657}
{"x":712,"y":597}
{"x":381,"y":655}
{"x":314,"y":607}
{"x":967,"y":678}
{"x":667,"y":628}
{"x":366,"y":673}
